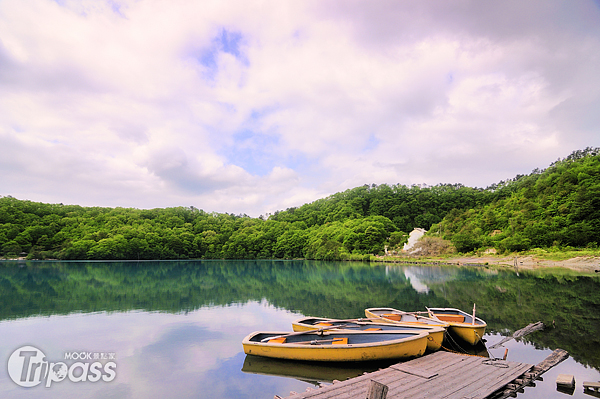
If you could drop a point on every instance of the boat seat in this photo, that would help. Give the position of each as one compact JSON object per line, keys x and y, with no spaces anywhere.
{"x":373,"y":329}
{"x":392,"y":316}
{"x":340,"y":341}
{"x":454,"y":318}
{"x":322,"y":324}
{"x":279,"y":340}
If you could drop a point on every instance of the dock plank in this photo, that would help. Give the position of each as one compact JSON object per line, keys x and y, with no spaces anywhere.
{"x":453,"y":380}
{"x":441,"y":375}
{"x":482,"y":385}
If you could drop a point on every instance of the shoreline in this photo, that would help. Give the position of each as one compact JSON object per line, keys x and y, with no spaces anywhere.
{"x":585,"y":264}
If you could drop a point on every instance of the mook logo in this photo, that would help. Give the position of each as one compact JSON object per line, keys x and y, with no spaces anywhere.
{"x":28,"y":367}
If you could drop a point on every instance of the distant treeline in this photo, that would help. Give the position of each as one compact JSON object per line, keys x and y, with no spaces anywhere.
{"x":556,"y":207}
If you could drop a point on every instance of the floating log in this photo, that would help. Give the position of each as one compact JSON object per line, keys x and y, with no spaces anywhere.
{"x":520,"y":333}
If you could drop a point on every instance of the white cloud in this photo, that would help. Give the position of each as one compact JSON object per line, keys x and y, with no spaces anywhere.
{"x":253,"y":107}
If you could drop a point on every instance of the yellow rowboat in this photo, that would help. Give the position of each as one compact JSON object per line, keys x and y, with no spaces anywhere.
{"x":336,"y":346}
{"x":434,"y":340}
{"x":461,"y":323}
{"x":391,"y":315}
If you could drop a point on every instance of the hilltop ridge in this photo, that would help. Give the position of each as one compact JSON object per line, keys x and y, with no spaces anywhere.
{"x":557,"y":207}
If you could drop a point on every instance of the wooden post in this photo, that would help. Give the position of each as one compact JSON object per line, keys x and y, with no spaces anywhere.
{"x":565,"y":380}
{"x":377,"y":390}
{"x":591,"y":386}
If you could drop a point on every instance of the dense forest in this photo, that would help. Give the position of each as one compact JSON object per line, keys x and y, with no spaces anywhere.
{"x":558,"y":206}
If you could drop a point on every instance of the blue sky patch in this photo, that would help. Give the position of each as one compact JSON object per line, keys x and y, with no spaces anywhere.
{"x":255,"y":152}
{"x":372,"y":143}
{"x":114,"y":6}
{"x":230,"y":43}
{"x":259,"y":153}
{"x":225,"y":42}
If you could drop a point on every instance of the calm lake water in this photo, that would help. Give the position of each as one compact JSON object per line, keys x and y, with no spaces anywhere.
{"x":174,"y":329}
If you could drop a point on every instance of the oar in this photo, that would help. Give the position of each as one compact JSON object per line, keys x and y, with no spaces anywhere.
{"x":403,"y":312}
{"x":317,"y":342}
{"x":431,"y":314}
{"x":363,"y":319}
{"x":301,"y":333}
{"x":416,"y":314}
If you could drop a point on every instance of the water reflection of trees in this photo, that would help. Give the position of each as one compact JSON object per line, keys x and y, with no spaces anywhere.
{"x":332,"y":289}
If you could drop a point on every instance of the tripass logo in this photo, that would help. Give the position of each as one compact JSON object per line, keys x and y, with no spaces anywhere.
{"x":28,"y":367}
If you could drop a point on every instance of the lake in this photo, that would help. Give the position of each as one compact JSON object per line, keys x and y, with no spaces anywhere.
{"x":174,"y":329}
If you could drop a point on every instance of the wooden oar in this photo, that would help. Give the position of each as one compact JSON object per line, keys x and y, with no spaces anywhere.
{"x":362,"y":319}
{"x":431,"y":314}
{"x":302,"y":333}
{"x":416,"y":314}
{"x":317,"y":342}
{"x":413,"y":313}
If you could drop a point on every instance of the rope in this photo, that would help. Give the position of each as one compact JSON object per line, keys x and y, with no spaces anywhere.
{"x":488,"y":361}
{"x":463,"y":352}
{"x":456,"y":344}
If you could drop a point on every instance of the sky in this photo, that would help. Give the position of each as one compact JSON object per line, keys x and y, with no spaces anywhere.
{"x":249,"y":107}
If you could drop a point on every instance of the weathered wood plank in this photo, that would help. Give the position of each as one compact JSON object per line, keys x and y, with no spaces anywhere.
{"x":447,"y":377}
{"x":435,"y":361}
{"x":557,"y":356}
{"x":353,"y":391}
{"x":404,"y":385}
{"x":488,"y":384}
{"x":591,"y":385}
{"x":454,"y":380}
{"x":341,"y":389}
{"x":419,"y":372}
{"x":441,"y":375}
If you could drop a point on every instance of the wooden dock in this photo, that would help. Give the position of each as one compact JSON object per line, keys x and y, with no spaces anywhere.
{"x":441,"y":375}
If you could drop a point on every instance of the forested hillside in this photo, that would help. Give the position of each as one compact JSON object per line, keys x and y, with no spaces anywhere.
{"x":556,"y":207}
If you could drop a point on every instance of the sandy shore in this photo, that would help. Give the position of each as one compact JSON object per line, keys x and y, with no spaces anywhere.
{"x":581,"y":264}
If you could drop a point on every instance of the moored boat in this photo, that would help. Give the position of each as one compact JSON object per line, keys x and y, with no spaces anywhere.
{"x":434,"y":339}
{"x":462,"y":324}
{"x":391,"y":315}
{"x":336,"y":346}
